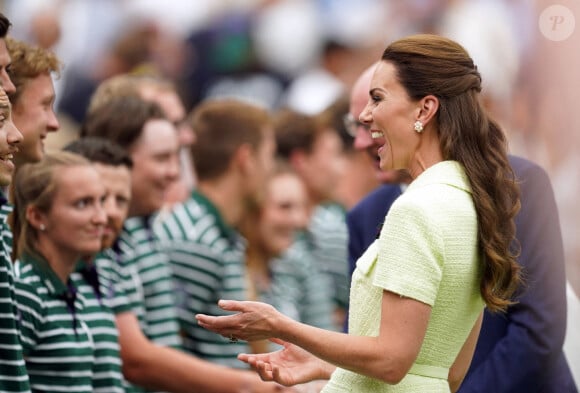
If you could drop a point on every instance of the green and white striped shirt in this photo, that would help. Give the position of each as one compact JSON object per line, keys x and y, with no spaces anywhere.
{"x":207,"y":258}
{"x":102,"y":290}
{"x":299,"y":289}
{"x":148,"y":285}
{"x":150,"y":288}
{"x":329,"y":235}
{"x":56,"y":341}
{"x":13,"y":375}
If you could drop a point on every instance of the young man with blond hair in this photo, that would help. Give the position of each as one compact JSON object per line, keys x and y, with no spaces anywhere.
{"x":32,"y":103}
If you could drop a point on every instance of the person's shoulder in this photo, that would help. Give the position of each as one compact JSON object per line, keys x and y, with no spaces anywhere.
{"x":384,"y":190}
{"x":531,"y":178}
{"x":524,"y":167}
{"x":187,"y":210}
{"x":29,"y":288}
{"x":182,"y":221}
{"x":380,"y":196}
{"x":327,"y":214}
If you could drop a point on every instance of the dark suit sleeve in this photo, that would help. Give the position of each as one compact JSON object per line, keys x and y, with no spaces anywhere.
{"x":532,"y":331}
{"x":355,"y":241}
{"x":366,"y":218}
{"x":356,"y":236}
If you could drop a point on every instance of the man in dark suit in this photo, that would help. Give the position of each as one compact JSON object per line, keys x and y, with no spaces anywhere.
{"x":519,"y":351}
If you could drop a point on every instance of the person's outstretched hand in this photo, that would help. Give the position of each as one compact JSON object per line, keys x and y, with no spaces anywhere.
{"x":288,"y":366}
{"x":253,"y":320}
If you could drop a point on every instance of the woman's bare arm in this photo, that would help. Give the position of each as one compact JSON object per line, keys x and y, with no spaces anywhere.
{"x":387,"y":357}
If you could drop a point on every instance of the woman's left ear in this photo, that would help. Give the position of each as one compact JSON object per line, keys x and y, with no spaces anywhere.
{"x":429,"y":105}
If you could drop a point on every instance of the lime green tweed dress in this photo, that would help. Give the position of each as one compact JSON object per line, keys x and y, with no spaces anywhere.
{"x":427,"y":250}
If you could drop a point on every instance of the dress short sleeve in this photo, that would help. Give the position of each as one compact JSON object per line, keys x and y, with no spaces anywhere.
{"x":410,"y":252}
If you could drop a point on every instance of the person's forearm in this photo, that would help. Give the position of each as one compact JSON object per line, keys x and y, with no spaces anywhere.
{"x":170,"y":370}
{"x":163,"y":368}
{"x":355,"y":353}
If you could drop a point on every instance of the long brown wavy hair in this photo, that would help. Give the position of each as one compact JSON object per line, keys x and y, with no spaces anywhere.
{"x":433,"y":65}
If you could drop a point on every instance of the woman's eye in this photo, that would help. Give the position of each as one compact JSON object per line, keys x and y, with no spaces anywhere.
{"x":82,"y":203}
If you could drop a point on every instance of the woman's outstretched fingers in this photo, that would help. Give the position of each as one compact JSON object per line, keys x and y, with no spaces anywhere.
{"x":248,"y":358}
{"x":230,"y":305}
{"x":244,"y":357}
{"x":264,"y":370}
{"x":215,"y":324}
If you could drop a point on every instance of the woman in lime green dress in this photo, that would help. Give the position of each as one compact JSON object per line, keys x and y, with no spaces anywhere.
{"x":443,"y":254}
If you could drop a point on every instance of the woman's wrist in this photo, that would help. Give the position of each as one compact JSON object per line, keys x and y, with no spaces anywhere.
{"x":282,"y":327}
{"x":326,"y":369}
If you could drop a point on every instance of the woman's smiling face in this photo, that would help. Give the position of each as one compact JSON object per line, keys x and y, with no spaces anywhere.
{"x":390,"y":113}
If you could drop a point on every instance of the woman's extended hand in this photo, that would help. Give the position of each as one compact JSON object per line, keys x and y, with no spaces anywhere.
{"x":288,"y":366}
{"x":253,"y":320}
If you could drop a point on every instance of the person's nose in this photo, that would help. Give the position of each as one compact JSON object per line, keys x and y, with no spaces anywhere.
{"x":300,"y":218}
{"x":6,"y":82}
{"x":53,"y":124}
{"x":173,"y":169}
{"x":111,"y":209}
{"x":13,"y":135}
{"x":365,"y":116}
{"x":100,"y":215}
{"x":363,"y":139}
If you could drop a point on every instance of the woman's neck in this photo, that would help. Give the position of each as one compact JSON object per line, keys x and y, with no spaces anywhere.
{"x":427,"y":155}
{"x":256,"y":261}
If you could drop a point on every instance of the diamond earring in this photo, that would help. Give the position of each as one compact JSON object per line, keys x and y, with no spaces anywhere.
{"x":418,"y":126}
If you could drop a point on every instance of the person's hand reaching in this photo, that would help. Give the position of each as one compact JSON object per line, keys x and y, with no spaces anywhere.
{"x":288,"y":366}
{"x":252,"y":321}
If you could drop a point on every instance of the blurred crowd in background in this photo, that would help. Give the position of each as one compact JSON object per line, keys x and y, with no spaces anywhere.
{"x":305,"y":54}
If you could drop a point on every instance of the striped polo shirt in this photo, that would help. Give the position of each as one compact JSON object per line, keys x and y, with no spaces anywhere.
{"x":207,"y":258}
{"x":103,"y":290}
{"x":147,"y":284}
{"x":150,"y":288}
{"x":329,"y":235}
{"x":56,"y":341}
{"x":299,"y":289}
{"x":13,"y":376}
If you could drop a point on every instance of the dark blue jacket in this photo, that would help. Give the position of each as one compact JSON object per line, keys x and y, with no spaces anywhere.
{"x":519,"y":351}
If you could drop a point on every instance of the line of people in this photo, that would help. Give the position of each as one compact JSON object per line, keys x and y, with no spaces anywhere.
{"x":97,"y":306}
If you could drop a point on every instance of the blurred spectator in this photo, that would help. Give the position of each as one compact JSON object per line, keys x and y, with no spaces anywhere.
{"x":98,"y":278}
{"x":141,"y":129}
{"x":293,"y":283}
{"x":164,"y":93}
{"x":313,"y":91}
{"x":233,"y":156}
{"x":224,"y":64}
{"x":358,"y":177}
{"x":131,"y":52}
{"x":314,"y":149}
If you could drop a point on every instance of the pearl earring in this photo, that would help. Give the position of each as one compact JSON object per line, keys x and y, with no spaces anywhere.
{"x":42,"y":227}
{"x":418,"y":126}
